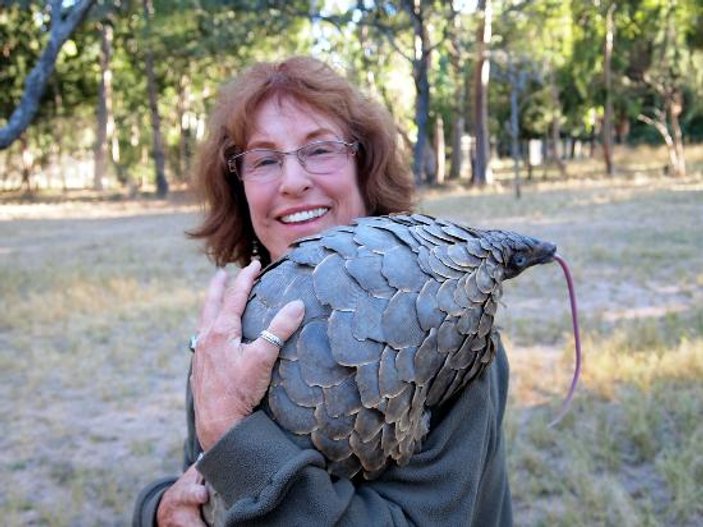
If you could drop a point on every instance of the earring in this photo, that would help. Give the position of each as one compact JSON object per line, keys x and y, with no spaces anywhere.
{"x":255,"y":250}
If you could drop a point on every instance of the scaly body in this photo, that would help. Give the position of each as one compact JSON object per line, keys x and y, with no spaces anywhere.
{"x":399,"y":317}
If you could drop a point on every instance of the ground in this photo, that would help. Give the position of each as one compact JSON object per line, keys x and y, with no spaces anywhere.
{"x":99,"y":298}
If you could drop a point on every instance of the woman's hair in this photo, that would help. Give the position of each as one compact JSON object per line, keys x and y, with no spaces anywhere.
{"x":383,"y":177}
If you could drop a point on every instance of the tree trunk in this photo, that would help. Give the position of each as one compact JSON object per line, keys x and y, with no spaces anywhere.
{"x":455,"y":162}
{"x":105,"y":119}
{"x":27,"y":163}
{"x":608,"y":113}
{"x":440,"y":149}
{"x":659,"y":122}
{"x":555,"y":128}
{"x":112,"y":135}
{"x":421,"y":63}
{"x":514,"y":125}
{"x":422,"y":105}
{"x":675,"y":107}
{"x":158,"y":148}
{"x":456,"y":57}
{"x":183,"y":108}
{"x":59,"y":134}
{"x":482,"y":173}
{"x":429,"y":160}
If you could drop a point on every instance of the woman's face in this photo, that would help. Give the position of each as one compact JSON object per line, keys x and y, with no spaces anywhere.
{"x":298,"y":203}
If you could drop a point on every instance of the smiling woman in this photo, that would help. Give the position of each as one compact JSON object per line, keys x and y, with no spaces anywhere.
{"x":296,"y":202}
{"x":283,"y":107}
{"x":294,"y":149}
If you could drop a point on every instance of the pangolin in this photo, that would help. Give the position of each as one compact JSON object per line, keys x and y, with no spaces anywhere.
{"x":399,"y":314}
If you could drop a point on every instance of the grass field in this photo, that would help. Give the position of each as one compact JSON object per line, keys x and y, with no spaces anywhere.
{"x":99,"y":298}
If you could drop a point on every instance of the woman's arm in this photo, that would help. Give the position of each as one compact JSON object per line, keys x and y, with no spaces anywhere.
{"x":458,"y":478}
{"x":227,"y":379}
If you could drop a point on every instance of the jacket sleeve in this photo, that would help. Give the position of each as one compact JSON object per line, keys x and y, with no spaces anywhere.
{"x":458,"y":478}
{"x":144,"y":514}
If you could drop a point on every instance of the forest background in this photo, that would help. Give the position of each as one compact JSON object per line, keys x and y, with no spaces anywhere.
{"x":580,"y":122}
{"x":532,"y":83}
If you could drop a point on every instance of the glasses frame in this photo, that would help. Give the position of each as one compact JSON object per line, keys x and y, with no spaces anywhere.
{"x":351,"y":146}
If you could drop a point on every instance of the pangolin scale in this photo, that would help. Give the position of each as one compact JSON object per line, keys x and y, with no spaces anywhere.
{"x":399,"y":316}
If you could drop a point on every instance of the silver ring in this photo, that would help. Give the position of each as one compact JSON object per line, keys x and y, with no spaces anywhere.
{"x":273,"y":339}
{"x":193,"y":342}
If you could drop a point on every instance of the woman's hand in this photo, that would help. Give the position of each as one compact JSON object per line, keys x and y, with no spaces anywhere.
{"x":228,"y":378}
{"x":180,"y":504}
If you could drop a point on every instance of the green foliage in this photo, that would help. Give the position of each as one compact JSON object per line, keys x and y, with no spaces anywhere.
{"x":19,"y":50}
{"x":555,"y":47}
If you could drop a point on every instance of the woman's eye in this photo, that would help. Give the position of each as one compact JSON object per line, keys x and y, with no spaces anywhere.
{"x":264,"y":161}
{"x":320,"y":150}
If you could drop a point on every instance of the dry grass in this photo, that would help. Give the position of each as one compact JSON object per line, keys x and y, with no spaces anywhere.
{"x":629,"y":452}
{"x":98,"y":300}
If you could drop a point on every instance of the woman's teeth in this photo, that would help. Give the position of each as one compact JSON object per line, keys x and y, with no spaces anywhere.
{"x":305,"y":215}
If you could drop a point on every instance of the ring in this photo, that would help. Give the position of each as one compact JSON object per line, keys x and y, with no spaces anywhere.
{"x":193,"y":342}
{"x":273,"y":339}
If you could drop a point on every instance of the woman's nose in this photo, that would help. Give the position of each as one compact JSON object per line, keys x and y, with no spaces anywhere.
{"x":294,"y":178}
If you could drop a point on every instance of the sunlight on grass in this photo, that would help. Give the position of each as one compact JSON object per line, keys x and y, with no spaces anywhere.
{"x":629,"y":452}
{"x":642,"y":352}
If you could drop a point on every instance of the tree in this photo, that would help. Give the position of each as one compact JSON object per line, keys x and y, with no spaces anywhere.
{"x":517,"y":77}
{"x":665,"y":76}
{"x":191,"y":49}
{"x":63,"y":24}
{"x":607,"y":74}
{"x":414,"y":29}
{"x":482,"y":173}
{"x":105,"y":117}
{"x":420,"y":61}
{"x":152,"y":92}
{"x":457,"y":56}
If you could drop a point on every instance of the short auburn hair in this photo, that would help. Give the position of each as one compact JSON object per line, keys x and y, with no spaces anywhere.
{"x":383,"y":176}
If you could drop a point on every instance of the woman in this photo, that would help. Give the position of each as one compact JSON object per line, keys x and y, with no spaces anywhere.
{"x":294,"y":149}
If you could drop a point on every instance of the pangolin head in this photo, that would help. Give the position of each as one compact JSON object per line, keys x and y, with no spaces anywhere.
{"x":521,"y":252}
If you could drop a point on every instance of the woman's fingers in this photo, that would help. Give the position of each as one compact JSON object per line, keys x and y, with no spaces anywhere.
{"x":180,"y":504}
{"x":213,"y":299}
{"x":194,"y":492}
{"x":234,"y":301}
{"x":229,"y":379}
{"x":259,"y":357}
{"x":223,"y":301}
{"x":283,"y":325}
{"x":236,"y":296}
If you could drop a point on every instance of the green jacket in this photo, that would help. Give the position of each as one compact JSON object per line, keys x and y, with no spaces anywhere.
{"x":458,"y":478}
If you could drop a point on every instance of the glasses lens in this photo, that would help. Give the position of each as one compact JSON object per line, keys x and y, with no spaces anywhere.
{"x":260,"y":164}
{"x":323,"y":157}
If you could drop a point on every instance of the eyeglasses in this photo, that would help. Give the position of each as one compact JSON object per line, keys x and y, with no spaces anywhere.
{"x":266,"y":164}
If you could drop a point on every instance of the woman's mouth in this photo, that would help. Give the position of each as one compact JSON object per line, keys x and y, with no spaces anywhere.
{"x":304,"y":215}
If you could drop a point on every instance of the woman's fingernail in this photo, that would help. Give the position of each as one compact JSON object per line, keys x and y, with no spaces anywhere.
{"x":297,"y":308}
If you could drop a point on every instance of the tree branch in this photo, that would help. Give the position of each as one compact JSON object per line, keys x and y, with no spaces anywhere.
{"x":36,"y":81}
{"x":659,"y":125}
